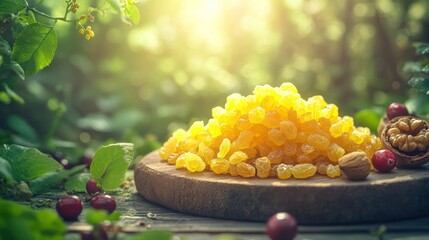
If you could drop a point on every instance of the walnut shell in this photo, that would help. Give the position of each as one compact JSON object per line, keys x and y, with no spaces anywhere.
{"x":408,"y":138}
{"x":383,"y":121}
{"x":355,"y":165}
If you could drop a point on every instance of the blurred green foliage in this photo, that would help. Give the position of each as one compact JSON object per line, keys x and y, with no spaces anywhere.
{"x":137,"y":84}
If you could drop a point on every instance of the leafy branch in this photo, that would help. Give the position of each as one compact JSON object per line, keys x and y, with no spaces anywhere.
{"x":418,"y":74}
{"x":33,"y":44}
{"x":419,"y":69}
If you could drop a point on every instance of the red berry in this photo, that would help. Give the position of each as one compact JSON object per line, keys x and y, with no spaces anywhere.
{"x":86,"y":159}
{"x":384,"y":160}
{"x":396,"y":110}
{"x":282,"y":226}
{"x":69,"y":207}
{"x":105,"y":202}
{"x":92,"y":187}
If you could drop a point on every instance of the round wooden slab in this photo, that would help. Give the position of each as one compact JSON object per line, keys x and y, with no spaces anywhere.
{"x":382,"y":197}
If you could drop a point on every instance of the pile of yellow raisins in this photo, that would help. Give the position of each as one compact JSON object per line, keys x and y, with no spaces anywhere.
{"x":272,"y":133}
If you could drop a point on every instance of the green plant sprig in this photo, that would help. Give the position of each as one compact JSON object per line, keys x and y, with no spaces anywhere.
{"x":33,"y":44}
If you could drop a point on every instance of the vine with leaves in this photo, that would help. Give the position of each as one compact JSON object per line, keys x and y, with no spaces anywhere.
{"x":28,"y":44}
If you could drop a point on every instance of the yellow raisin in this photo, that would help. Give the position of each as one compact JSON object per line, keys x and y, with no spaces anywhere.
{"x":168,"y":148}
{"x":180,"y":161}
{"x":237,"y":157}
{"x":276,"y":136}
{"x":322,"y":167}
{"x":284,"y":171}
{"x":273,"y":170}
{"x":188,"y":145}
{"x":287,"y":86}
{"x":193,"y":162}
{"x":206,"y":153}
{"x":256,"y":115}
{"x":172,"y":158}
{"x":196,"y":128}
{"x":224,"y":148}
{"x":180,"y":134}
{"x":245,"y":170}
{"x":304,"y":170}
{"x":320,"y":142}
{"x":263,"y":167}
{"x":244,"y":138}
{"x":275,"y":156}
{"x":333,"y":171}
{"x":233,"y":170}
{"x":289,"y":149}
{"x":289,"y":129}
{"x":335,"y":152}
{"x":272,"y":119}
{"x":250,"y":152}
{"x":307,"y":149}
{"x":219,"y":165}
{"x":214,"y":128}
{"x":243,"y":124}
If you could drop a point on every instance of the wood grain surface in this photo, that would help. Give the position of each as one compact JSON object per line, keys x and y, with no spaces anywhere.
{"x":401,"y":194}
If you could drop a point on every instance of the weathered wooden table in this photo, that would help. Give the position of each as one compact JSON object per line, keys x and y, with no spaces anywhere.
{"x":140,"y":215}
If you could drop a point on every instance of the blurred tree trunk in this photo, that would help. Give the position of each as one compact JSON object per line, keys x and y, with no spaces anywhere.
{"x":387,"y":57}
{"x":343,"y":81}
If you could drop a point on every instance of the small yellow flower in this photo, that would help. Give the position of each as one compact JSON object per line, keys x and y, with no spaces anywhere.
{"x":91,"y":34}
{"x":81,"y":31}
{"x":88,"y":28}
{"x":87,"y":37}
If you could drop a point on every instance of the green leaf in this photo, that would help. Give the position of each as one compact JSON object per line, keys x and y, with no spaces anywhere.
{"x":27,"y":18}
{"x":13,"y":95}
{"x":22,"y":222}
{"x":115,"y":4}
{"x":132,"y":12}
{"x":418,"y":104}
{"x":420,"y":83}
{"x":416,"y":67}
{"x":17,"y":69}
{"x":368,"y":118}
{"x":50,"y":224}
{"x":94,"y":216}
{"x":78,"y":183}
{"x":153,"y":235}
{"x":110,"y":164}
{"x":422,"y":48}
{"x":22,"y":128}
{"x":48,"y":180}
{"x":5,"y":49}
{"x":27,"y":163}
{"x":4,"y":97}
{"x":35,"y":47}
{"x":12,"y":6}
{"x":6,"y":171}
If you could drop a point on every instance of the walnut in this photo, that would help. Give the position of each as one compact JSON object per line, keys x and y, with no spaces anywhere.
{"x":408,"y":138}
{"x":355,"y":165}
{"x":383,"y":121}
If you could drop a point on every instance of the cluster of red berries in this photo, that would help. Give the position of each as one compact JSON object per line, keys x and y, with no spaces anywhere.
{"x":70,"y":207}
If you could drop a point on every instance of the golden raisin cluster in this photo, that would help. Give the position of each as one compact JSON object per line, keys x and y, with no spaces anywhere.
{"x":272,"y":133}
